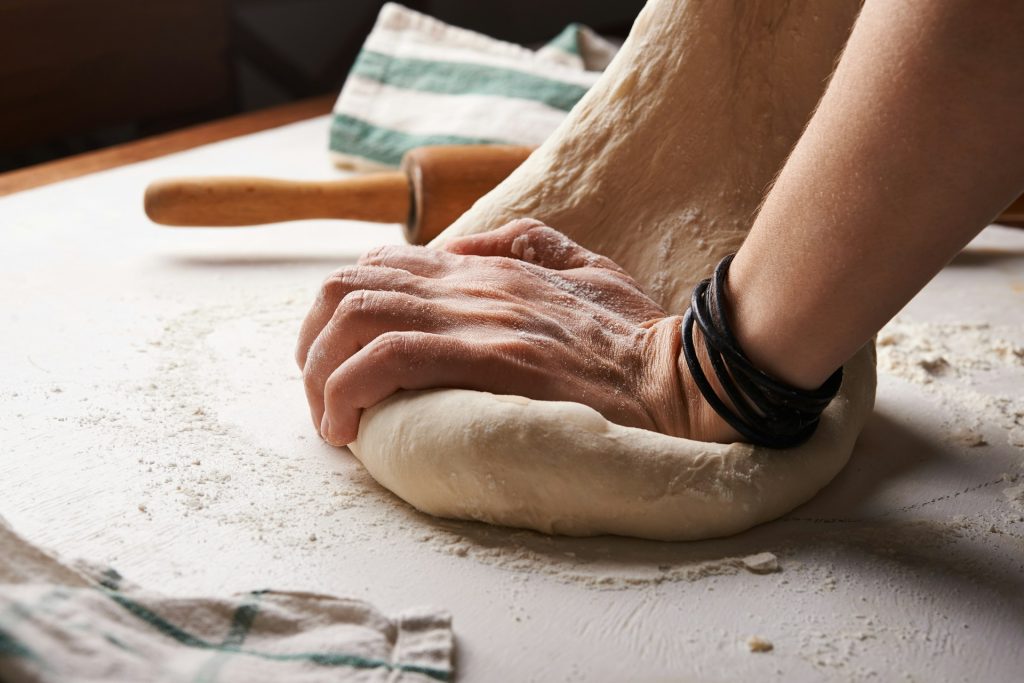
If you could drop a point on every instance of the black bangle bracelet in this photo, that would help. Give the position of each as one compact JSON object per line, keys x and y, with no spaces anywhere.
{"x":768,"y":411}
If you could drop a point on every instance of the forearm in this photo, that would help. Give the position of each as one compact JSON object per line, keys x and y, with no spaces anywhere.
{"x":917,"y":144}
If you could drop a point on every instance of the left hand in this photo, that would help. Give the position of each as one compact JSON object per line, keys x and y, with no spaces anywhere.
{"x":519,"y":310}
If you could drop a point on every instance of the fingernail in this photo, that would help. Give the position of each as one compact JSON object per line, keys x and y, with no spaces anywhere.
{"x":325,"y":428}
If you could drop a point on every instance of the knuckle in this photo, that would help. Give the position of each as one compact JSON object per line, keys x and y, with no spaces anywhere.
{"x":393,"y":345}
{"x":389,"y":345}
{"x":356,"y":304}
{"x":374,"y":254}
{"x":334,"y":392}
{"x":354,"y":301}
{"x":339,"y":282}
{"x":381,"y":255}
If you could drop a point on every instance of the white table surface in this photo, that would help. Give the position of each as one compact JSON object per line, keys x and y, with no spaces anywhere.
{"x":151,"y":416}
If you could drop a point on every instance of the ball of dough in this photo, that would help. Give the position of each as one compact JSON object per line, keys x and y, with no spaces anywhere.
{"x":562,"y":468}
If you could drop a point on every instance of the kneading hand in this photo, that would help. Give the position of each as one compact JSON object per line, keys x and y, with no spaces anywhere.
{"x":519,"y":310}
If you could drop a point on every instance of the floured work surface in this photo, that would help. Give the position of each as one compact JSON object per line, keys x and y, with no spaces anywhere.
{"x":151,"y":417}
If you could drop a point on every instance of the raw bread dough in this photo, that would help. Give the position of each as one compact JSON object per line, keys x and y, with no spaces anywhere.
{"x":661,"y":167}
{"x":562,"y":468}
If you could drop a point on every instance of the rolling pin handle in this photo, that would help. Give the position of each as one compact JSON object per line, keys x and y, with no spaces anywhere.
{"x":235,"y":201}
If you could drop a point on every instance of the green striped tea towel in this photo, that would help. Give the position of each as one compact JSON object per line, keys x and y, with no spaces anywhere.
{"x":419,"y":81}
{"x":75,"y":624}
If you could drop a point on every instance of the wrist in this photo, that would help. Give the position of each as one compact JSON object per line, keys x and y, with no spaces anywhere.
{"x":765,"y":409}
{"x":662,"y":391}
{"x":675,"y":404}
{"x":705,"y":423}
{"x":769,"y":332}
{"x":771,"y":316}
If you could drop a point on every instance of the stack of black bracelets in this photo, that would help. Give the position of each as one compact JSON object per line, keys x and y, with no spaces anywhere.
{"x":768,"y":412}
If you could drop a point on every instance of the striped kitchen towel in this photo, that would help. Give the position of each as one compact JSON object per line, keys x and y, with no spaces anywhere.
{"x":79,"y":623}
{"x":419,"y":81}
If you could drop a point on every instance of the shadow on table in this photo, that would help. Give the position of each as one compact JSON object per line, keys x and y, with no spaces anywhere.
{"x":840,"y":526}
{"x":976,"y":257}
{"x":260,"y":260}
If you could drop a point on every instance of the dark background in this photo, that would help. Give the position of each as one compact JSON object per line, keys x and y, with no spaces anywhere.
{"x":77,"y":75}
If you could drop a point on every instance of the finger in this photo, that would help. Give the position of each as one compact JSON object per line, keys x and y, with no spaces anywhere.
{"x":392,"y":362}
{"x":421,"y":261}
{"x":361,"y":317}
{"x":497,"y":242}
{"x":413,"y":360}
{"x":343,"y":282}
{"x":532,"y":241}
{"x":549,"y":248}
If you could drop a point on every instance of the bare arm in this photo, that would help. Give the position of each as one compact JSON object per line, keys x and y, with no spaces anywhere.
{"x":917,"y":144}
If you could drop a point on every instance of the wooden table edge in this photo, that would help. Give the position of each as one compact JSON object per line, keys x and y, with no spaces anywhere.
{"x":163,"y":144}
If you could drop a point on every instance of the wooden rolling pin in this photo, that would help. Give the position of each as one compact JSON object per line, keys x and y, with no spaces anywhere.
{"x":435,"y":186}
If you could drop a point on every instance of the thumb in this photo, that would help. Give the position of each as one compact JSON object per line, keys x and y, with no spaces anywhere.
{"x":529,"y":240}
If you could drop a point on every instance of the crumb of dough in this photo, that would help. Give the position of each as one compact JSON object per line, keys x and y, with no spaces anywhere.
{"x":757,"y":644}
{"x":761,"y":563}
{"x":966,"y":436}
{"x":934,"y":365}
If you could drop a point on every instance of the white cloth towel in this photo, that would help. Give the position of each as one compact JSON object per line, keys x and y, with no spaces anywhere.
{"x":78,"y":623}
{"x":419,"y":81}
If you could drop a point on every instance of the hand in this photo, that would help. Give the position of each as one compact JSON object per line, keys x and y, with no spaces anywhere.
{"x":519,"y":310}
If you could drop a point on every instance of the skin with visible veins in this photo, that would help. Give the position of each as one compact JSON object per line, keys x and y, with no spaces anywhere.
{"x":917,"y":144}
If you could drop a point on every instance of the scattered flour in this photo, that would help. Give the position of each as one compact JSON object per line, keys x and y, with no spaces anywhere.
{"x":968,"y":367}
{"x":193,"y":458}
{"x":609,"y":563}
{"x":1015,"y":495}
{"x":197,"y":460}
